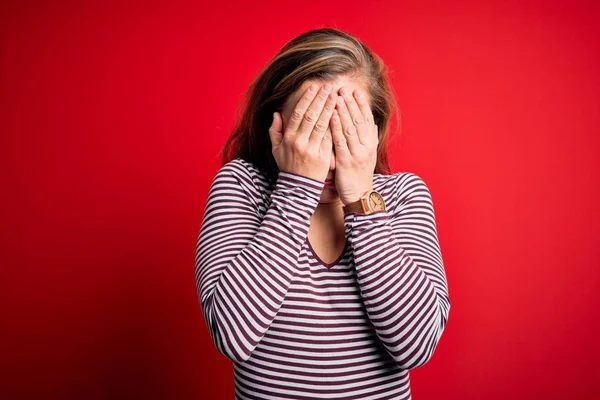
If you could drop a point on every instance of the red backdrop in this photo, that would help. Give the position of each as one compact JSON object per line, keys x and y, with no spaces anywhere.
{"x":111,"y":122}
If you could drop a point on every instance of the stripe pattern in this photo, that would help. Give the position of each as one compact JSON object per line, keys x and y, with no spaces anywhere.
{"x":297,"y":328}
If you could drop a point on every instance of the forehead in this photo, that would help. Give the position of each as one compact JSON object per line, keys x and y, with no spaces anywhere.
{"x":350,"y":83}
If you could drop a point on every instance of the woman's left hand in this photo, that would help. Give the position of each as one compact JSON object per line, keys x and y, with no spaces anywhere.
{"x":355,"y":140}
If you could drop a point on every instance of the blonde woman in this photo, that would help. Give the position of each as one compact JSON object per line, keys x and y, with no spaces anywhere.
{"x":319,"y":272}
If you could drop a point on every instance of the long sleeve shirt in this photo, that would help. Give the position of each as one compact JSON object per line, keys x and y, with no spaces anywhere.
{"x":296,"y":327}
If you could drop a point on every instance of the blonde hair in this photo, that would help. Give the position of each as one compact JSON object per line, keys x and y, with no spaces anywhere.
{"x":320,"y":54}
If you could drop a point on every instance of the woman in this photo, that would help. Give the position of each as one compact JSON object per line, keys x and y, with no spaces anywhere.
{"x":319,"y":274}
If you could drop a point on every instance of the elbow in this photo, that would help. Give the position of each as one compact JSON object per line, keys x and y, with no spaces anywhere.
{"x":226,"y":340}
{"x":223,"y":343}
{"x":418,"y":350}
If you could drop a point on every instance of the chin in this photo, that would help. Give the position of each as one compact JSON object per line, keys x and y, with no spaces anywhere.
{"x":329,"y":195}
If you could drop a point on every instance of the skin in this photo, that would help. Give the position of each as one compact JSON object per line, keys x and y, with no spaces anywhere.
{"x":352,"y":164}
{"x":354,"y":144}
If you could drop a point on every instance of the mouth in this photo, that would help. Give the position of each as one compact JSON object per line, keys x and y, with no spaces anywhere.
{"x":329,"y":181}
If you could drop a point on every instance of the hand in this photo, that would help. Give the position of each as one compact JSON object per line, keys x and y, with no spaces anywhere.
{"x":305,"y":147}
{"x":355,"y":140}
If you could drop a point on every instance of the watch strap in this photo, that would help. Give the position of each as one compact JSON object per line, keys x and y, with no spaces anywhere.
{"x":356,"y":206}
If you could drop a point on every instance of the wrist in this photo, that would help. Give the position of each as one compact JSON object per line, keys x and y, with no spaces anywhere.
{"x":353,"y":198}
{"x":350,"y":200}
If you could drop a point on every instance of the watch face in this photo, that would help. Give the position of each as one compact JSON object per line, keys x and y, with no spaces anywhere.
{"x":376,"y":201}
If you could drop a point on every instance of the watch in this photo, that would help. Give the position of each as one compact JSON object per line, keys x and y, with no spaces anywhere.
{"x":369,"y":202}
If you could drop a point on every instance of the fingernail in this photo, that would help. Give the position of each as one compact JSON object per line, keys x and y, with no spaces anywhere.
{"x":327,"y":87}
{"x":343,"y":91}
{"x":358,"y":94}
{"x":312,"y":88}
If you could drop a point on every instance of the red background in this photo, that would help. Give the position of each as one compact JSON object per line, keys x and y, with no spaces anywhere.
{"x":112,"y":117}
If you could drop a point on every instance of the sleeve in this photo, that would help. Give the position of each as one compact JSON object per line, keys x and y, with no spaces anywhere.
{"x":400,"y":272}
{"x":244,"y":264}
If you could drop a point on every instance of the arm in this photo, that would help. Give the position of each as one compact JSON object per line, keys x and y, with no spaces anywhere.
{"x":244,"y":266}
{"x":400,"y":272}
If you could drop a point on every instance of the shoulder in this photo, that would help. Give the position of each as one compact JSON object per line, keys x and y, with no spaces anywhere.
{"x":238,"y":167}
{"x":247,"y":176}
{"x":401,"y":187}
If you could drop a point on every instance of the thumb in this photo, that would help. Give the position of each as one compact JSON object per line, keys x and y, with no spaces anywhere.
{"x":275,"y":131}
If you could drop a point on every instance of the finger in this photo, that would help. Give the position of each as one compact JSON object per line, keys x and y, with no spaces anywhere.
{"x":376,"y":134}
{"x":363,"y":105}
{"x":323,"y":123}
{"x":313,"y":112}
{"x":339,"y":140}
{"x":355,"y":113}
{"x":275,"y":131}
{"x":348,"y":127}
{"x":301,"y":107}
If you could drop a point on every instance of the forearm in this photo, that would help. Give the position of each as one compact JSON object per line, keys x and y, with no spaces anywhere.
{"x":405,"y":297}
{"x":242,"y":291}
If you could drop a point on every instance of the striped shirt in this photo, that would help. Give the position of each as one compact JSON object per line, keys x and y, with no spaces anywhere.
{"x":295,"y":327}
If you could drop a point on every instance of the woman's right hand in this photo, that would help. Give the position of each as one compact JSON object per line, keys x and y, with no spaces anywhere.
{"x":305,"y":147}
